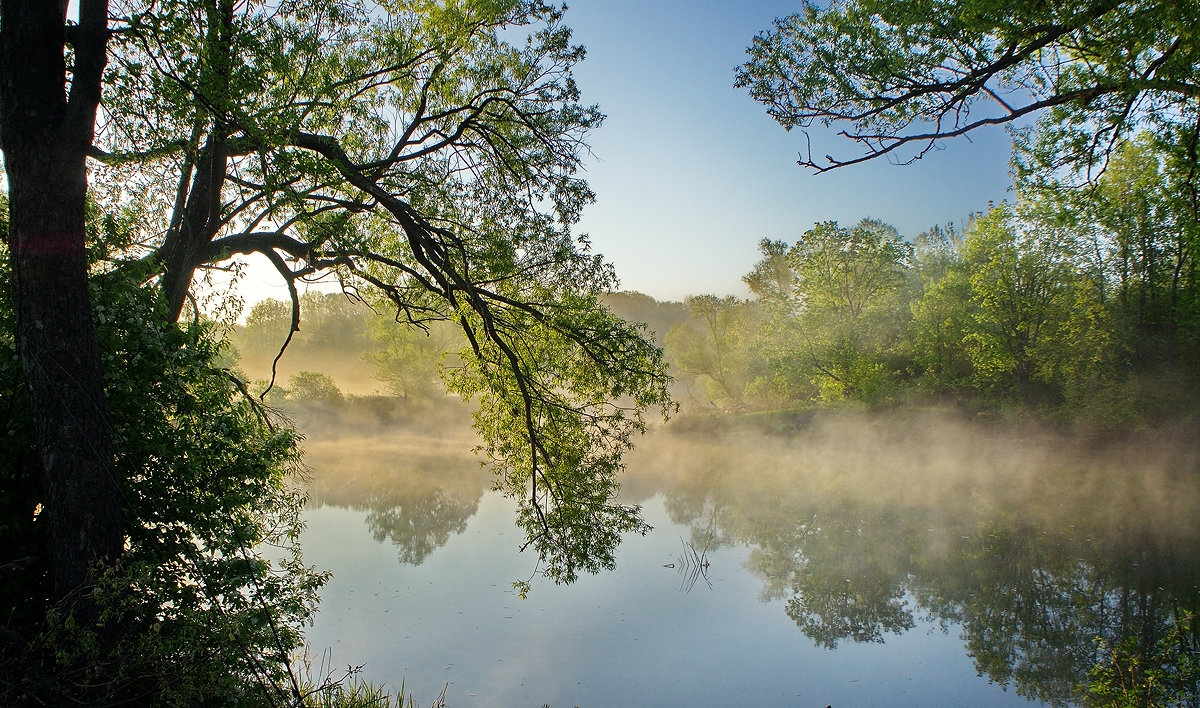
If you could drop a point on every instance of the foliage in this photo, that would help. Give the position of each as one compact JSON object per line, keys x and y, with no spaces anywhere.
{"x":1070,"y":296}
{"x":827,"y":323}
{"x":844,"y":307}
{"x":1144,"y":233}
{"x":408,"y":359}
{"x":1129,"y":676}
{"x":1083,"y":304}
{"x":713,"y":347}
{"x":267,"y":326}
{"x":401,"y":147}
{"x":772,"y":277}
{"x":900,"y":77}
{"x":424,"y":154}
{"x":1020,"y":292}
{"x":941,"y":314}
{"x":659,"y":317}
{"x":211,"y":591}
{"x":331,"y":323}
{"x":313,"y":387}
{"x":353,"y":692}
{"x":556,"y":412}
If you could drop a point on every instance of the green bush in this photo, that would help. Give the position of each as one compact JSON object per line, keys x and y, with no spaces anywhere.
{"x":197,"y":610}
{"x":313,"y":387}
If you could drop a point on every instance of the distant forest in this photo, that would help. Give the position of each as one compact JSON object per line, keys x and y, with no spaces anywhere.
{"x":1077,"y":304}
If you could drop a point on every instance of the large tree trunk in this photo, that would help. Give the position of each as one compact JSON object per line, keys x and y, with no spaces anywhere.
{"x":45,"y":136}
{"x":181,"y":251}
{"x":200,"y":220}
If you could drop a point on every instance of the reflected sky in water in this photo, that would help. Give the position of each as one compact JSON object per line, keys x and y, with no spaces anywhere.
{"x":868,"y":563}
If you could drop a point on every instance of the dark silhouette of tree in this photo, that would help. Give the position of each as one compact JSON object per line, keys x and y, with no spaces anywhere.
{"x":47,"y":118}
{"x":426,"y":157}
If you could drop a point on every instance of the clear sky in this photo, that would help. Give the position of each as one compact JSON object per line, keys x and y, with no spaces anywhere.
{"x":690,"y":173}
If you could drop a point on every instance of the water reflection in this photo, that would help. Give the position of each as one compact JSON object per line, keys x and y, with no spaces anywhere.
{"x":1034,"y":544}
{"x":1031,"y":545}
{"x":416,"y":492}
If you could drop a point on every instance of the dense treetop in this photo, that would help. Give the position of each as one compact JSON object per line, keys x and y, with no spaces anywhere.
{"x":897,"y":78}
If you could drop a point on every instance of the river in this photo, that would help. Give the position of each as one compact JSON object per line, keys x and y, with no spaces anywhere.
{"x":899,"y":561}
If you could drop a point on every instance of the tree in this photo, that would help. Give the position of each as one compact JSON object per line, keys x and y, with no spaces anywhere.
{"x":659,"y":317}
{"x":407,"y":359}
{"x":1023,"y":288}
{"x":1147,"y":236}
{"x":772,"y":277}
{"x":846,"y":303}
{"x":209,"y":594}
{"x":314,"y":387}
{"x":267,"y":327}
{"x":45,"y":133}
{"x":939,"y":328}
{"x":940,"y":310}
{"x":901,"y":77}
{"x":424,"y":152}
{"x":1132,"y":674}
{"x":334,"y":326}
{"x":713,"y":346}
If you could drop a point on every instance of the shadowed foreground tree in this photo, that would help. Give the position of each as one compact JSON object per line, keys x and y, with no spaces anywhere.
{"x":425,"y":153}
{"x":45,"y":132}
{"x":208,"y":594}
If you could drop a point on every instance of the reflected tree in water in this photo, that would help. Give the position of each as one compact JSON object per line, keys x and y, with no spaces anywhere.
{"x":419,"y":524}
{"x":847,"y":581}
{"x":416,"y":501}
{"x":1044,"y":591}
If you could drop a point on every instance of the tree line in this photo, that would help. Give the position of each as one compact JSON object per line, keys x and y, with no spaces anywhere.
{"x":1077,"y":296}
{"x":1083,"y":302}
{"x":1079,"y":302}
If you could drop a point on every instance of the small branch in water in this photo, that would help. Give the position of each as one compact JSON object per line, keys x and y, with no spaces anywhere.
{"x":692,"y":565}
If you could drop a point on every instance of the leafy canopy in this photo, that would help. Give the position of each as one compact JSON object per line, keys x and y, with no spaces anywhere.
{"x":898,"y":77}
{"x":211,"y":592}
{"x":425,"y":154}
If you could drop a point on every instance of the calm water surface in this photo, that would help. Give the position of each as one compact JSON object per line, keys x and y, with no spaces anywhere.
{"x":859,"y":564}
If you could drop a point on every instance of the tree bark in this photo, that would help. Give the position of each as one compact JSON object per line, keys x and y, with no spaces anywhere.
{"x":185,"y":244}
{"x":45,"y":134}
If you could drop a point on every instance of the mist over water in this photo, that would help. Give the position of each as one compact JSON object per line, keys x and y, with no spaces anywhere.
{"x":874,"y":546}
{"x":929,"y":461}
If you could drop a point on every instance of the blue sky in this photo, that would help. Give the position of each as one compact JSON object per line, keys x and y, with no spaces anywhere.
{"x":690,"y":173}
